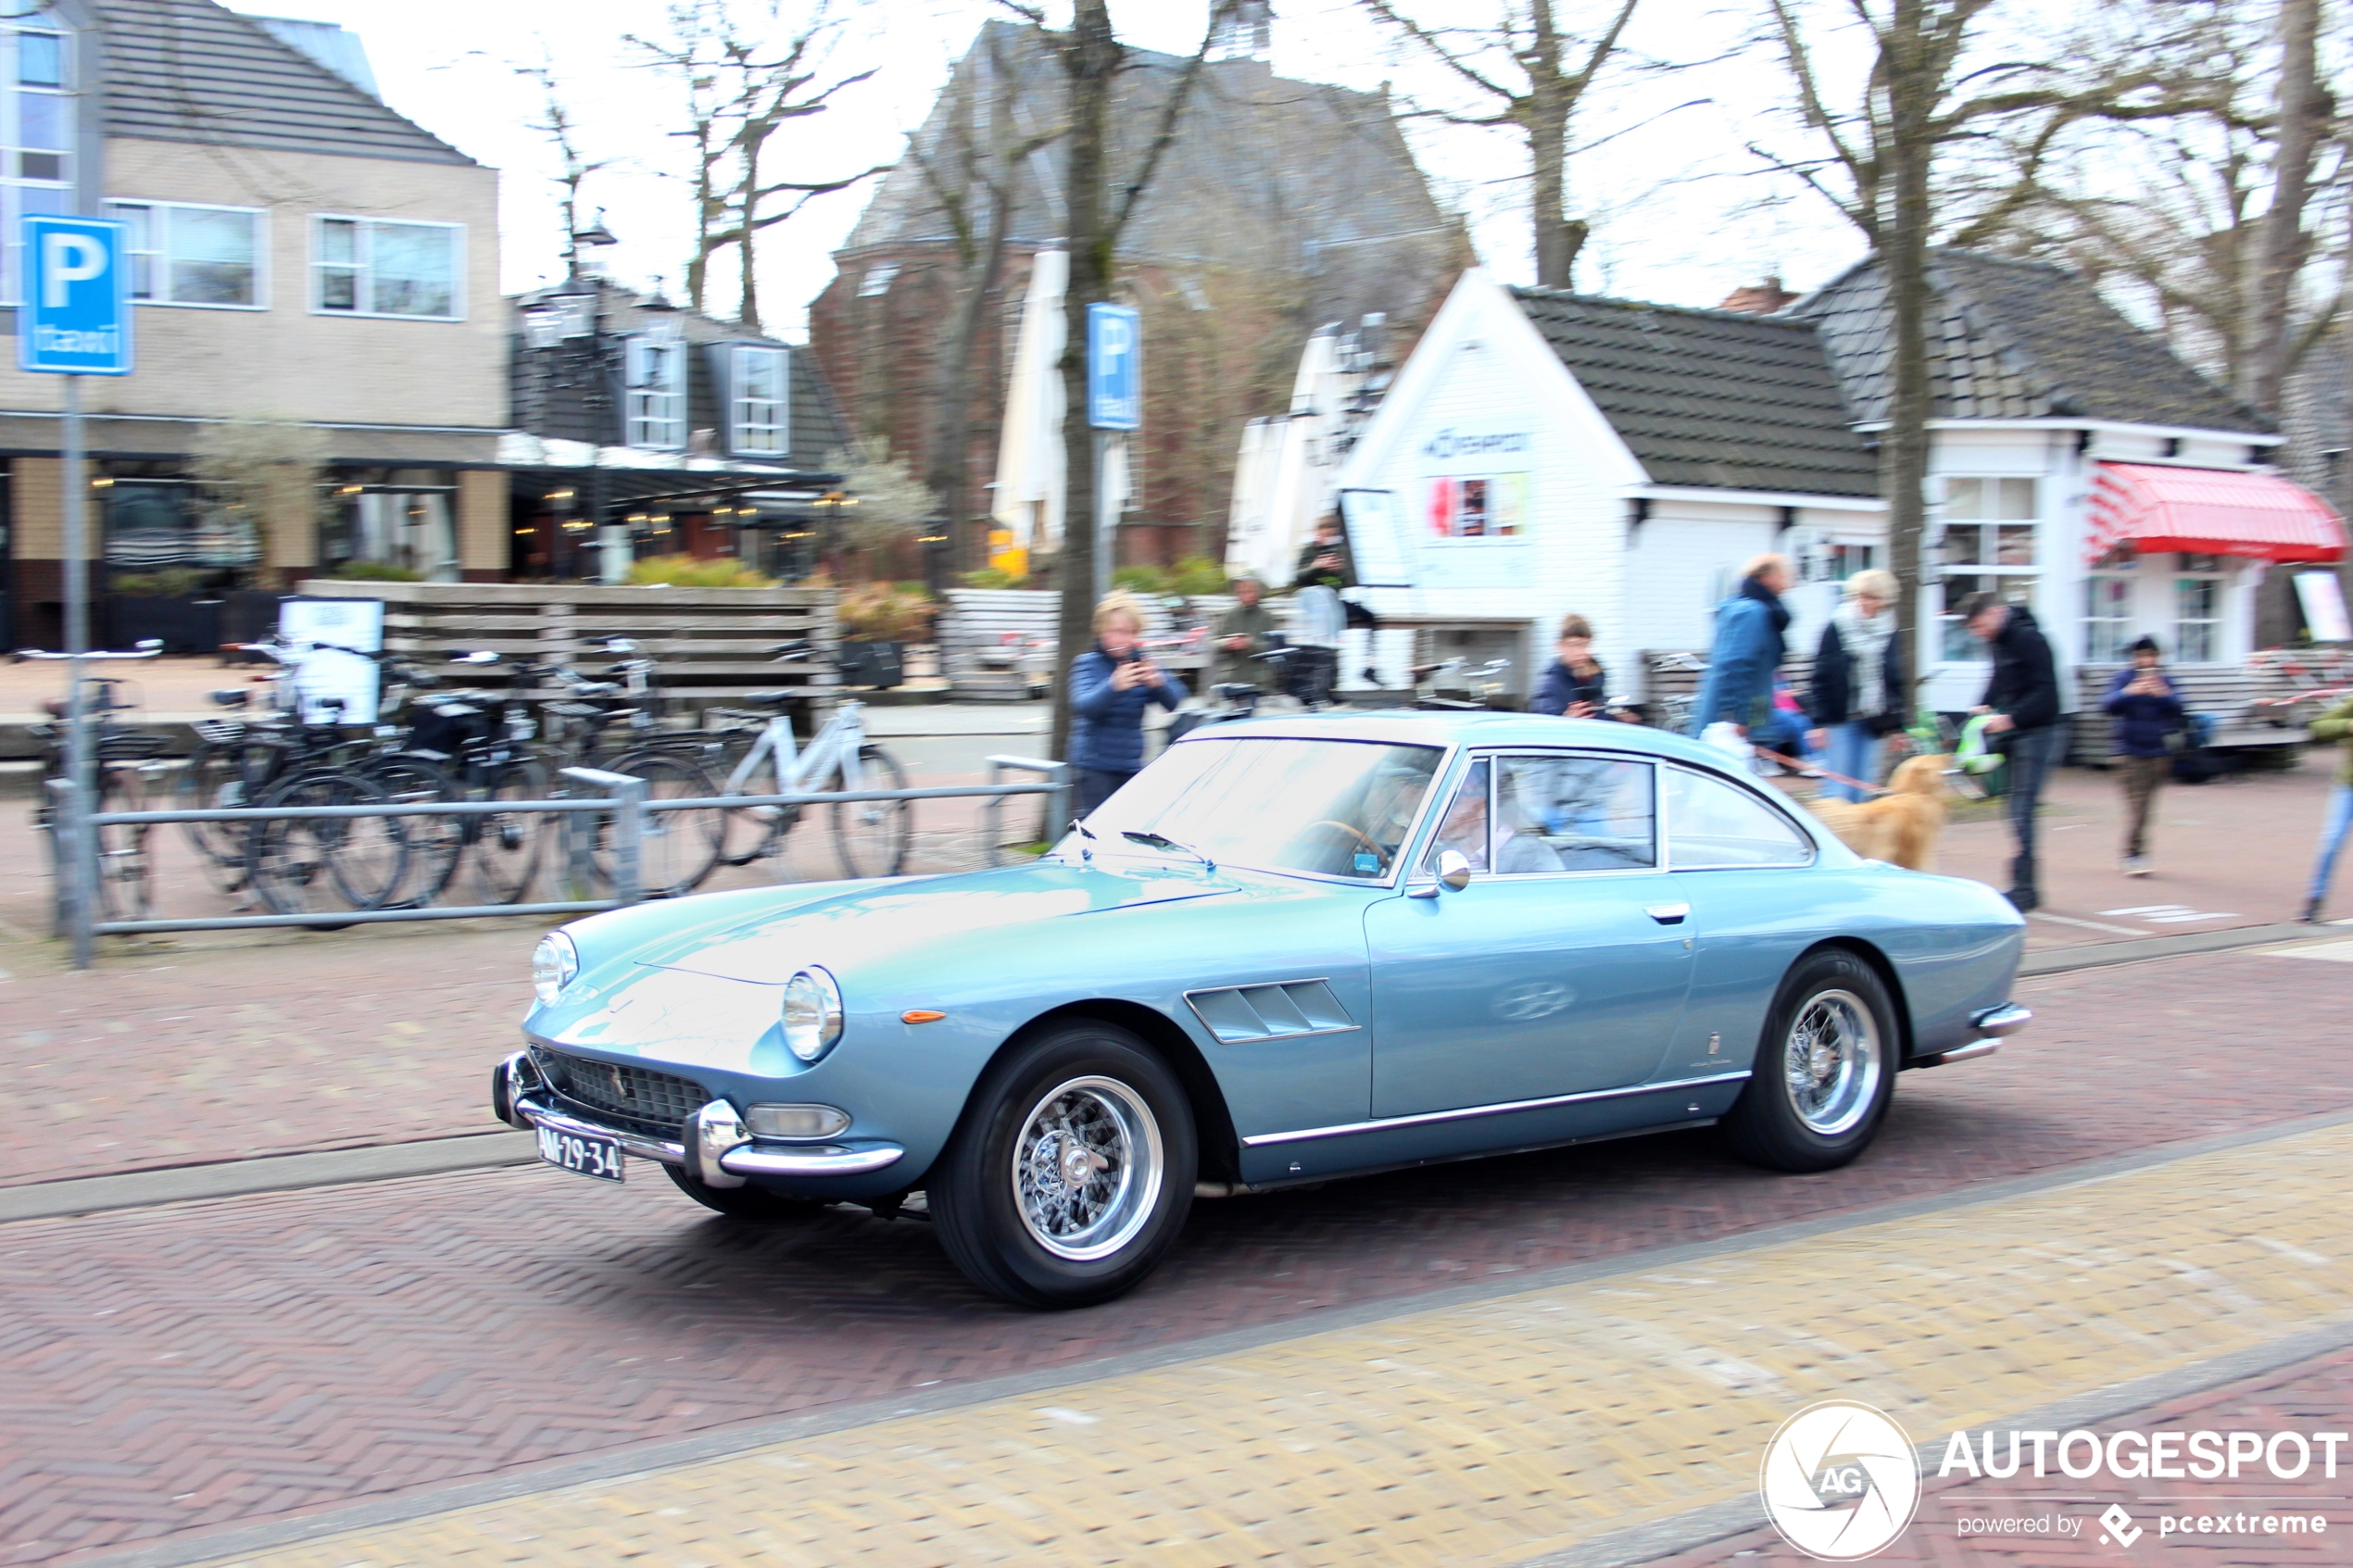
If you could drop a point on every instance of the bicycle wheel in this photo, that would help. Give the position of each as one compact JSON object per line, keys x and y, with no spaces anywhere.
{"x":870,"y":836}
{"x":313,"y":865}
{"x":436,"y":843}
{"x":506,"y":842}
{"x":223,"y":775}
{"x":125,"y":883}
{"x":676,"y":850}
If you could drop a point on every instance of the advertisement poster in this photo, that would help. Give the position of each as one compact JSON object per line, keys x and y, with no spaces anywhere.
{"x":323,"y":675}
{"x":2324,"y":600}
{"x":1484,"y":506}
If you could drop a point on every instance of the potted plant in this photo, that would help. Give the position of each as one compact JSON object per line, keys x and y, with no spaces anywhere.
{"x":877,"y":622}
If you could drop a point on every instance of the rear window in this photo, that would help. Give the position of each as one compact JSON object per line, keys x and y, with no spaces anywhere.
{"x":1713,"y":822}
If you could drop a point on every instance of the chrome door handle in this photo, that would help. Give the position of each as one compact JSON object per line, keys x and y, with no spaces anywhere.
{"x":1667,"y":914}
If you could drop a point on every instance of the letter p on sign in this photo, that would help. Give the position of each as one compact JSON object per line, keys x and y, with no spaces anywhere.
{"x":68,"y":259}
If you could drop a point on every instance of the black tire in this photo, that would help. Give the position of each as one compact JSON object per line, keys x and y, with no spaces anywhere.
{"x":125,"y":876}
{"x":1125,"y":1106}
{"x":677,"y":849}
{"x":306,"y":866}
{"x":436,"y":843}
{"x":1817,"y":1095}
{"x":225,"y":775}
{"x":870,"y":836}
{"x":751,"y":1204}
{"x":507,"y":843}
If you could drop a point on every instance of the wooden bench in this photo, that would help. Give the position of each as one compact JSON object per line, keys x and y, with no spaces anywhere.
{"x":710,"y":644}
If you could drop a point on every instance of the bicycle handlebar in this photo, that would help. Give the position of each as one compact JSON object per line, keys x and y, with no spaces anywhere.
{"x":151,"y":648}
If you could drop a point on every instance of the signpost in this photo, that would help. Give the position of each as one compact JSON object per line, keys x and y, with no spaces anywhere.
{"x":1114,"y":406}
{"x":75,"y":321}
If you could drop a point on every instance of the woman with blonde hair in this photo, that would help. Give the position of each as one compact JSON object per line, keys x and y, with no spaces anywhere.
{"x":1111,"y":686}
{"x":1861,"y":686}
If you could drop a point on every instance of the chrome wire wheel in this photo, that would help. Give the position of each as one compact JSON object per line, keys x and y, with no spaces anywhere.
{"x":1832,"y":1059}
{"x":1088,"y":1168}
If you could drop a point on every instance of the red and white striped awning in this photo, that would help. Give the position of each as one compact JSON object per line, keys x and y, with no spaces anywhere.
{"x":2209,"y":511}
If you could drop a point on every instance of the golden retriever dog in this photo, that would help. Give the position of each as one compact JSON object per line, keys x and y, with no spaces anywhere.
{"x":1900,"y":827}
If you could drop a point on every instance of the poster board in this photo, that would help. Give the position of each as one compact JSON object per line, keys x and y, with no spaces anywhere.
{"x":1374,"y":540}
{"x":2323,"y":598}
{"x":323,"y":673}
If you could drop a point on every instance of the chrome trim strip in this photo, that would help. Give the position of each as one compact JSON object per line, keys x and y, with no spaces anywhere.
{"x":821,"y":1160}
{"x":542,"y":1115}
{"x":1504,"y":1108}
{"x":2001,"y":1022}
{"x":1969,"y":1052}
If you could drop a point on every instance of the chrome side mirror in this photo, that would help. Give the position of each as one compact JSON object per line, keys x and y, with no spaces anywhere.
{"x":1453,"y":871}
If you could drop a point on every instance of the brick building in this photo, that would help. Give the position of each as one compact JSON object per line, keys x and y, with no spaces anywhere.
{"x":1280,"y":206}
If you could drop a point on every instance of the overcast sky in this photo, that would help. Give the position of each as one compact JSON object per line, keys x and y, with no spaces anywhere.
{"x":1682,"y":214}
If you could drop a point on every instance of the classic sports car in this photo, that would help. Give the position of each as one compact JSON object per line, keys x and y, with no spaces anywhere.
{"x":1287,"y":950}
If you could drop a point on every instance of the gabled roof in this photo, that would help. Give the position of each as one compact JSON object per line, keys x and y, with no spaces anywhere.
{"x":190,"y":70}
{"x":1710,"y":398}
{"x":2012,"y":340}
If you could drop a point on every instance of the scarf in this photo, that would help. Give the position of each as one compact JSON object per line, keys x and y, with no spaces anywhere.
{"x":1866,"y":639}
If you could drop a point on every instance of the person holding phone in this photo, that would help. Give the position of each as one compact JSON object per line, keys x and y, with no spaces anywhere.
{"x":1112,"y":686}
{"x":2147,"y":708}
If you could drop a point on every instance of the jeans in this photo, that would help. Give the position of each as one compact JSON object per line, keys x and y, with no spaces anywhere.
{"x":2032,"y":754}
{"x":1096,"y":785}
{"x":1852,"y":750}
{"x":2333,"y":831}
{"x":2142,"y":777}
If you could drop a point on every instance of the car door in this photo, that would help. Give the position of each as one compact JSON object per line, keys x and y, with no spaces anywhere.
{"x":1561,"y":969}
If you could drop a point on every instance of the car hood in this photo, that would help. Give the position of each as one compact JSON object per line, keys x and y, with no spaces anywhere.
{"x":881,"y":921}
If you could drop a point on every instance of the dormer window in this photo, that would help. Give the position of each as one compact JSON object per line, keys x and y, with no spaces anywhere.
{"x":758,"y":400}
{"x":654,"y":370}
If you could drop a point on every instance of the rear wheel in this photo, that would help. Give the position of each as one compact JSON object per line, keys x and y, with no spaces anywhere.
{"x":1072,"y":1171}
{"x":436,"y":843}
{"x":313,"y":865}
{"x":506,"y":842}
{"x":1825,"y":1071}
{"x":754,"y":1204}
{"x":676,"y":850}
{"x":870,"y":836}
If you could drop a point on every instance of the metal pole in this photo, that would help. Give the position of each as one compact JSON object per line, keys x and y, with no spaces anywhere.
{"x":1104,"y":512}
{"x":628,"y":838}
{"x":77,"y":867}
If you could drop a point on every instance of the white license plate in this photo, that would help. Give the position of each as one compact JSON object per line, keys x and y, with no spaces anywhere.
{"x":581,"y":1154}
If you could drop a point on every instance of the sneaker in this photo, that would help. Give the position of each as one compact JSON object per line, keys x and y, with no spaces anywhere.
{"x":2136,"y":865}
{"x":2021,"y":898}
{"x":2312,"y":915}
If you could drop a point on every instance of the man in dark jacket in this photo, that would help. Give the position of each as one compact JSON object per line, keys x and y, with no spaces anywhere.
{"x":1112,"y":686}
{"x":1575,"y":687}
{"x":2147,"y":708}
{"x":2022,"y":696}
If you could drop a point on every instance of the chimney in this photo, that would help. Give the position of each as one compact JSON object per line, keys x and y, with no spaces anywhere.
{"x":1758,"y":299}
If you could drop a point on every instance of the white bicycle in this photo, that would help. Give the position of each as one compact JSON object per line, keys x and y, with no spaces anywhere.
{"x":870,"y":836}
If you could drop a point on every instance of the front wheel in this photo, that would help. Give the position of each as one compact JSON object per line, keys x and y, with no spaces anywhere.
{"x":870,"y":836}
{"x":1825,"y":1071}
{"x":676,"y":850}
{"x":1072,"y":1171}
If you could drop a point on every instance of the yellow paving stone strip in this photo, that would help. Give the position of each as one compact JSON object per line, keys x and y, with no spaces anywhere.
{"x":1492,"y":1433}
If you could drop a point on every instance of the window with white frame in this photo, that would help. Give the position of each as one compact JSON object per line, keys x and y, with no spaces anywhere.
{"x":36,"y":127}
{"x":2198,"y":610}
{"x":654,"y":372}
{"x":182,"y":253}
{"x":2107,"y":608}
{"x":382,"y":266}
{"x":759,"y":392}
{"x":1989,"y":547}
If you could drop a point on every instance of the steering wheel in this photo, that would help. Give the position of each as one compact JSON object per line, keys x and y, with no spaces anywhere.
{"x":1356,"y":833}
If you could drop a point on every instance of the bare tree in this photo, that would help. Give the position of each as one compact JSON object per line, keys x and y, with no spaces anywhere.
{"x":555,"y":123}
{"x":1534,"y":71}
{"x":1092,"y":58}
{"x":2305,"y":116}
{"x":971,"y":174}
{"x":741,"y":91}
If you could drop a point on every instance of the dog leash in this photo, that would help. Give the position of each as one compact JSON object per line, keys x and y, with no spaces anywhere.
{"x":1813,"y":771}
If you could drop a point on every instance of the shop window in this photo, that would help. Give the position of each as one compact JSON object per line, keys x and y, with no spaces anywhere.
{"x":1989,"y":547}
{"x":162,"y":538}
{"x":654,"y":369}
{"x":1848,"y":560}
{"x":182,"y":254}
{"x":408,"y":530}
{"x":759,"y":389}
{"x":373,"y":267}
{"x":2197,"y":610}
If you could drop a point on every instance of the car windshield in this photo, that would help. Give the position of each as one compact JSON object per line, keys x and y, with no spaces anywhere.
{"x":1326,"y":808}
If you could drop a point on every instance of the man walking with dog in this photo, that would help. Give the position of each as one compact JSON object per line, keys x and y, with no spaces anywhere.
{"x":1751,"y":631}
{"x":2022,"y":704}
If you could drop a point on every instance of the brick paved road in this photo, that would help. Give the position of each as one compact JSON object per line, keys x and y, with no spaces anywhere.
{"x":171,"y":1368}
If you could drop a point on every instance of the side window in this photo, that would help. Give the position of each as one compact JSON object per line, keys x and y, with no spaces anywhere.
{"x":1574,"y":814}
{"x":1711,"y":822}
{"x":1464,"y":827}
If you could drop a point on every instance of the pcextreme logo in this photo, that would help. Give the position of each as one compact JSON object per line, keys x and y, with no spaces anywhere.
{"x":1839,"y":1481}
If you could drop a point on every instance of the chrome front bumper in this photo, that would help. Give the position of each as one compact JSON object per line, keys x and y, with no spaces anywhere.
{"x":718,"y":1150}
{"x":1992,"y":1025}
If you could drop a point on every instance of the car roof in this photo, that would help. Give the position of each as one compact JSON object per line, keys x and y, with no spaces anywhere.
{"x":1421,"y":727}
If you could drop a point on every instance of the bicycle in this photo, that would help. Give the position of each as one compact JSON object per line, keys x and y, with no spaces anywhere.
{"x":870,"y":836}
{"x":125,"y":884}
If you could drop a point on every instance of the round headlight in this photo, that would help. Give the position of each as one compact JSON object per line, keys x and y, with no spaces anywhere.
{"x":812,"y":1014}
{"x":555,"y":963}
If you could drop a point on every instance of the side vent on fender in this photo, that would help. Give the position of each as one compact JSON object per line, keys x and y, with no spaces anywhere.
{"x":1247,"y":1013}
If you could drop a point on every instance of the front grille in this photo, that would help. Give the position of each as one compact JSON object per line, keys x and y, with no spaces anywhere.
{"x":635,"y":1099}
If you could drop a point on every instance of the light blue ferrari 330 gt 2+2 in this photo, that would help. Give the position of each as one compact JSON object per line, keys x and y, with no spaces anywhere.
{"x":1289,"y":950}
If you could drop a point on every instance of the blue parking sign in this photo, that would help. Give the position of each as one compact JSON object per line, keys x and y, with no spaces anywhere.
{"x":1115,"y":367}
{"x":76,"y":316}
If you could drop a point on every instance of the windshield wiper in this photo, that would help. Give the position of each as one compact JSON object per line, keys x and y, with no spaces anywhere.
{"x":1162,"y":841}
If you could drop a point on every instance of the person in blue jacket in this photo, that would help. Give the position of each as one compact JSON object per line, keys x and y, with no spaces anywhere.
{"x":2147,"y":706}
{"x":1751,"y":636}
{"x":1111,"y":686}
